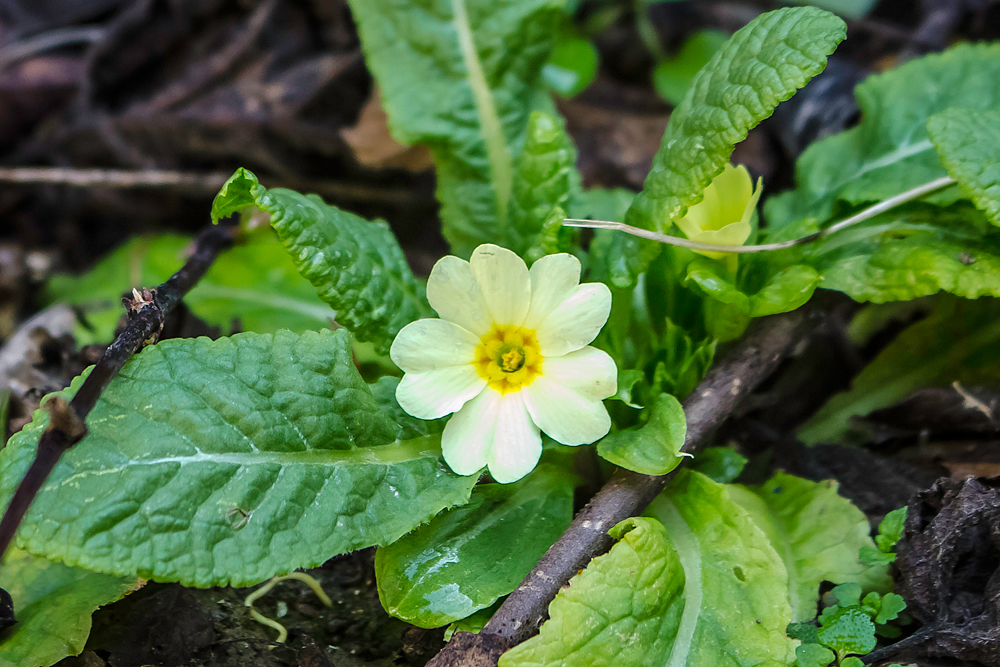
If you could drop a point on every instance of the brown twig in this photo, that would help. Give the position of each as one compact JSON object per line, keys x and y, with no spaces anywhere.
{"x":146,"y":312}
{"x":626,"y":494}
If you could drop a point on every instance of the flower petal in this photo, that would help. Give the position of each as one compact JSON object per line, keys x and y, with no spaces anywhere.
{"x":468,"y":436}
{"x":589,"y":372}
{"x":503,"y":280}
{"x":437,"y":393}
{"x":576,"y":321}
{"x":565,"y":415}
{"x":454,"y":294}
{"x":427,"y":345}
{"x":553,"y":278}
{"x":517,"y":444}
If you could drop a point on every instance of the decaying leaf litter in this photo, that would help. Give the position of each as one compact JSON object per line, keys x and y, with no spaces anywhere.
{"x":283,"y":90}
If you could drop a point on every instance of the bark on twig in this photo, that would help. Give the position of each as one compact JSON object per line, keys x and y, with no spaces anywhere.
{"x":146,"y":312}
{"x":626,"y":494}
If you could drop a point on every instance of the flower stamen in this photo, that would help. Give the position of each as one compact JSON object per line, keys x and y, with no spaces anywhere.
{"x":509,"y":358}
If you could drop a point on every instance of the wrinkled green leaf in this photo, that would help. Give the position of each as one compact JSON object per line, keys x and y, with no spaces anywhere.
{"x":462,"y":77}
{"x":449,"y":568}
{"x":572,"y":65}
{"x":761,"y":65}
{"x":851,"y":9}
{"x":624,"y":608}
{"x":356,"y":265}
{"x":804,"y":632}
{"x":956,"y":342}
{"x":545,"y":177}
{"x":229,"y":461}
{"x":847,"y":630}
{"x":651,"y":449}
{"x":53,"y":604}
{"x":968,"y":143}
{"x":889,"y":151}
{"x":254,"y":282}
{"x":719,"y":464}
{"x":671,"y":77}
{"x":647,"y":603}
{"x":817,"y":533}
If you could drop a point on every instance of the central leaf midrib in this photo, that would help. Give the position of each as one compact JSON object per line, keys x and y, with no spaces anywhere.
{"x":689,"y":553}
{"x":496,"y":145}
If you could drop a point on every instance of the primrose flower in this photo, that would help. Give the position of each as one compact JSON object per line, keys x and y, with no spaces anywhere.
{"x":510,"y":356}
{"x":723,"y":216}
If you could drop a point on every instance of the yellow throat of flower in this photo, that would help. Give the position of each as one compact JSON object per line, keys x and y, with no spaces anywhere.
{"x":508,"y":358}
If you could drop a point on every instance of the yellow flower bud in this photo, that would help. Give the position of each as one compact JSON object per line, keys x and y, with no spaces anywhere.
{"x":723,"y":216}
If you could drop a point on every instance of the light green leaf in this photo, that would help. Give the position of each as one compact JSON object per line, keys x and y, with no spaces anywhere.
{"x":968,"y":143}
{"x":785,"y":291}
{"x":357,"y":265}
{"x":449,"y":568}
{"x":818,"y":534}
{"x":462,"y":77}
{"x":53,"y":604}
{"x":890,"y":529}
{"x":225,"y":462}
{"x":889,"y":151}
{"x":762,"y":64}
{"x":625,"y":608}
{"x":572,"y":65}
{"x":892,"y":604}
{"x":813,"y":655}
{"x":651,"y":449}
{"x":545,"y":177}
{"x":956,"y":342}
{"x":474,"y":623}
{"x":254,"y":282}
{"x":719,"y":464}
{"x":671,"y":77}
{"x":848,"y":595}
{"x":848,"y":630}
{"x":852,"y":661}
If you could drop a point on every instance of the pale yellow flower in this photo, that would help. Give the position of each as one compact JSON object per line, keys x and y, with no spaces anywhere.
{"x":510,"y":356}
{"x":724,"y":215}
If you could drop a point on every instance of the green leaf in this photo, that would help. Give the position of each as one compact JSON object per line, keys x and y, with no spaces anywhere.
{"x":956,"y":342}
{"x":968,"y":143}
{"x":890,"y":530}
{"x":225,"y":462}
{"x":671,"y":77}
{"x":849,"y":594}
{"x":852,"y":662}
{"x":892,"y":604}
{"x":804,"y":632}
{"x":651,"y":449}
{"x":848,"y":630}
{"x":624,"y":608}
{"x":813,"y":655}
{"x":889,"y":151}
{"x":572,"y":65}
{"x":785,"y":291}
{"x":255,"y":282}
{"x":719,"y":464}
{"x":447,"y":569}
{"x":762,"y":64}
{"x":474,"y":623}
{"x":357,"y":265}
{"x":545,"y":177}
{"x":647,"y":602}
{"x":53,"y":604}
{"x":462,"y":77}
{"x":818,"y":534}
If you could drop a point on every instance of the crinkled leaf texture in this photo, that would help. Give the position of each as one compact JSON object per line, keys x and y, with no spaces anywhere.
{"x":761,"y":65}
{"x":229,"y":461}
{"x":956,"y":342}
{"x":356,"y":265}
{"x":53,"y":604}
{"x":653,"y":448}
{"x":254,"y":282}
{"x":449,"y":568}
{"x":968,"y":142}
{"x":708,"y":590}
{"x":462,"y":77}
{"x":889,"y":151}
{"x":817,"y":533}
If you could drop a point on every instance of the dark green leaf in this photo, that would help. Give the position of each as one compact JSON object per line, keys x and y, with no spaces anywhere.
{"x":968,"y":142}
{"x":848,"y":630}
{"x":813,"y":655}
{"x":572,"y":65}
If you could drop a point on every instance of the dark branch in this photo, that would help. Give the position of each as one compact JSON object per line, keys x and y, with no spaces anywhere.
{"x":146,"y":313}
{"x":626,"y":494}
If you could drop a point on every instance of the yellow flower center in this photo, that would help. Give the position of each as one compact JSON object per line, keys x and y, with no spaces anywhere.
{"x":508,"y":358}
